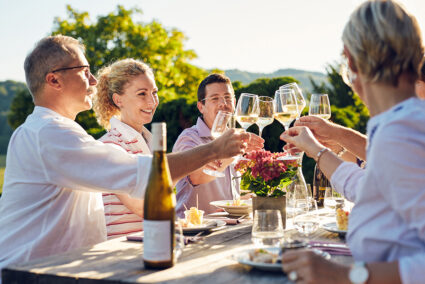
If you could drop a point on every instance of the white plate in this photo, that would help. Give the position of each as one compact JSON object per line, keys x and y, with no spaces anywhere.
{"x":243,"y":258}
{"x":332,"y":227}
{"x":209,"y":224}
{"x":240,"y":210}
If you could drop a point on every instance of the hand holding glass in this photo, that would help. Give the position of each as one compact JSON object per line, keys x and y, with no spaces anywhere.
{"x":220,"y":125}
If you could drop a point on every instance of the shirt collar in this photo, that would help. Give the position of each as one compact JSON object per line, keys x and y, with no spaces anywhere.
{"x":128,"y":132}
{"x":202,"y":127}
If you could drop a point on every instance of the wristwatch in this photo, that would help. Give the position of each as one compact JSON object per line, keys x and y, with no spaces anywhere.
{"x":358,"y":273}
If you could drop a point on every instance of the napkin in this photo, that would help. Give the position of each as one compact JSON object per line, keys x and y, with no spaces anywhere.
{"x":332,"y":248}
{"x":230,"y":221}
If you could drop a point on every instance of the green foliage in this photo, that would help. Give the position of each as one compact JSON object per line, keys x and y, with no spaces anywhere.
{"x":179,"y":114}
{"x":271,"y":188}
{"x":21,"y":106}
{"x":347,"y":108}
{"x":117,"y":36}
{"x":8,"y":89}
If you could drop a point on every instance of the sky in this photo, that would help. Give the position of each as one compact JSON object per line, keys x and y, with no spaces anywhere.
{"x":249,"y":35}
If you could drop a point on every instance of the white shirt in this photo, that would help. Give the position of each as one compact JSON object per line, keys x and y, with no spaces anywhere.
{"x":51,"y":200}
{"x":120,"y":220}
{"x":388,"y":221}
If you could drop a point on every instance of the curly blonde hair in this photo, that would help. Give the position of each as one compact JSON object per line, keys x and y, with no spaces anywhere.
{"x":384,"y":40}
{"x":113,"y":79}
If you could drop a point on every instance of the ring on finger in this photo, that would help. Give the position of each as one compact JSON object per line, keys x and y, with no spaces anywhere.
{"x":293,"y":276}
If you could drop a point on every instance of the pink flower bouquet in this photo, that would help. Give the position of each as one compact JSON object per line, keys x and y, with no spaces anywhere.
{"x":264,"y":175}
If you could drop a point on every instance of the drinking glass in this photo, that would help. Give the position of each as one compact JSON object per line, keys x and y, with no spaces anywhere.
{"x":220,"y":125}
{"x":297,"y":200}
{"x":266,"y":110}
{"x":247,"y":110}
{"x":286,"y":110}
{"x":320,"y":106}
{"x":298,"y":95}
{"x":286,"y":107}
{"x":307,"y":223}
{"x":267,"y":229}
{"x":333,"y":199}
{"x":179,"y":241}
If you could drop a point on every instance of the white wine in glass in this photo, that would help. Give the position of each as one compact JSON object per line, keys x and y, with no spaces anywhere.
{"x":298,"y":95}
{"x":266,"y":106}
{"x":320,"y":106}
{"x":247,"y":110}
{"x":286,"y":108}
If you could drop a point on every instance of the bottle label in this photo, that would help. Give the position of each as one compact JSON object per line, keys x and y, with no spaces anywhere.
{"x":157,"y":240}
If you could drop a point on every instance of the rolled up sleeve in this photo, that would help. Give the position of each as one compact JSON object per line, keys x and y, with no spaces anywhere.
{"x":346,"y":179}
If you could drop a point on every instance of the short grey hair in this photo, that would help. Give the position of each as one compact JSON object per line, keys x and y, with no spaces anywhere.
{"x":384,"y":41}
{"x":50,"y":53}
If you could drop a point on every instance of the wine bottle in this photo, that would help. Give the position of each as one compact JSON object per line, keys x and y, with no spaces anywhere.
{"x":159,"y":206}
{"x":320,"y":184}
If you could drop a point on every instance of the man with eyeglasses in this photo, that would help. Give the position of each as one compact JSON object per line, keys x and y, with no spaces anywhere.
{"x":215,"y":93}
{"x":55,"y":171}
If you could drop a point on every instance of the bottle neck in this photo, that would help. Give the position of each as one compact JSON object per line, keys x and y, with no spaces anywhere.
{"x":159,"y":143}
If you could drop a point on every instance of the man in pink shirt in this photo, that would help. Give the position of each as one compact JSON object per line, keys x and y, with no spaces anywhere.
{"x":215,"y":93}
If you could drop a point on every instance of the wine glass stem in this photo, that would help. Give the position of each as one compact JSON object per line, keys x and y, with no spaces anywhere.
{"x":261,"y":131}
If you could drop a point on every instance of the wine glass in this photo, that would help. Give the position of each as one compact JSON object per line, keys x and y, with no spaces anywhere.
{"x":267,"y":228}
{"x":332,"y":199}
{"x":247,"y":110}
{"x":320,"y":106}
{"x":286,"y":110}
{"x":265,"y":117}
{"x":298,"y":94}
{"x":220,"y":125}
{"x":286,"y":107}
{"x":309,"y":222}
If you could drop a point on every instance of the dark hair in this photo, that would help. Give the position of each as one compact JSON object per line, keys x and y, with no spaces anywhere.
{"x":212,"y":78}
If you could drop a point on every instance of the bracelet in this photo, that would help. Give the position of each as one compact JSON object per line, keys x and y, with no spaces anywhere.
{"x":341,"y":152}
{"x":320,"y":154}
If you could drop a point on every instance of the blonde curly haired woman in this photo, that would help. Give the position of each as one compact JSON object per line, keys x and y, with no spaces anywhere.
{"x":126,"y":100}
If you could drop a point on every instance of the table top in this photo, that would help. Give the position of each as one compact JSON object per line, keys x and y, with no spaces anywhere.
{"x":120,"y":261}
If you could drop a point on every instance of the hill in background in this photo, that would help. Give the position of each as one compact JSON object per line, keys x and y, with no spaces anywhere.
{"x":301,"y":75}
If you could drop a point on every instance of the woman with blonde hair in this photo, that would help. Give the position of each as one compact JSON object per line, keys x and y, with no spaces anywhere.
{"x":126,"y":100}
{"x":386,"y":233}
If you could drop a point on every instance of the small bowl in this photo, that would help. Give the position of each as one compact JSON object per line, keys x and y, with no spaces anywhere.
{"x":186,"y":216}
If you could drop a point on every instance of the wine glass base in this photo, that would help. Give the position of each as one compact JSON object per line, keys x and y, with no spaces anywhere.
{"x":213,"y":173}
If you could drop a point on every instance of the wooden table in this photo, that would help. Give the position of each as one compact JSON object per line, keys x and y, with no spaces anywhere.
{"x":120,"y":261}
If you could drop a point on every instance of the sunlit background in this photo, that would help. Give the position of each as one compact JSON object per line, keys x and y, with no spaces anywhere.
{"x":249,"y":35}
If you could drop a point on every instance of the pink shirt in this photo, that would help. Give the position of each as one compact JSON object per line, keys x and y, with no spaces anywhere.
{"x":120,"y":221}
{"x":225,"y":188}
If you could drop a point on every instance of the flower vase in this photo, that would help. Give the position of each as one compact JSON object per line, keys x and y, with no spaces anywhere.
{"x":270,"y":203}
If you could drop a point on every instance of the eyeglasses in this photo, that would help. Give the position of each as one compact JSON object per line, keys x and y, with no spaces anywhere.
{"x":69,"y":68}
{"x":215,"y":100}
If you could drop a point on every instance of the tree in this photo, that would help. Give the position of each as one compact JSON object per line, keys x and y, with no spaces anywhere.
{"x":21,"y":106}
{"x":347,"y":107}
{"x":117,"y":36}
